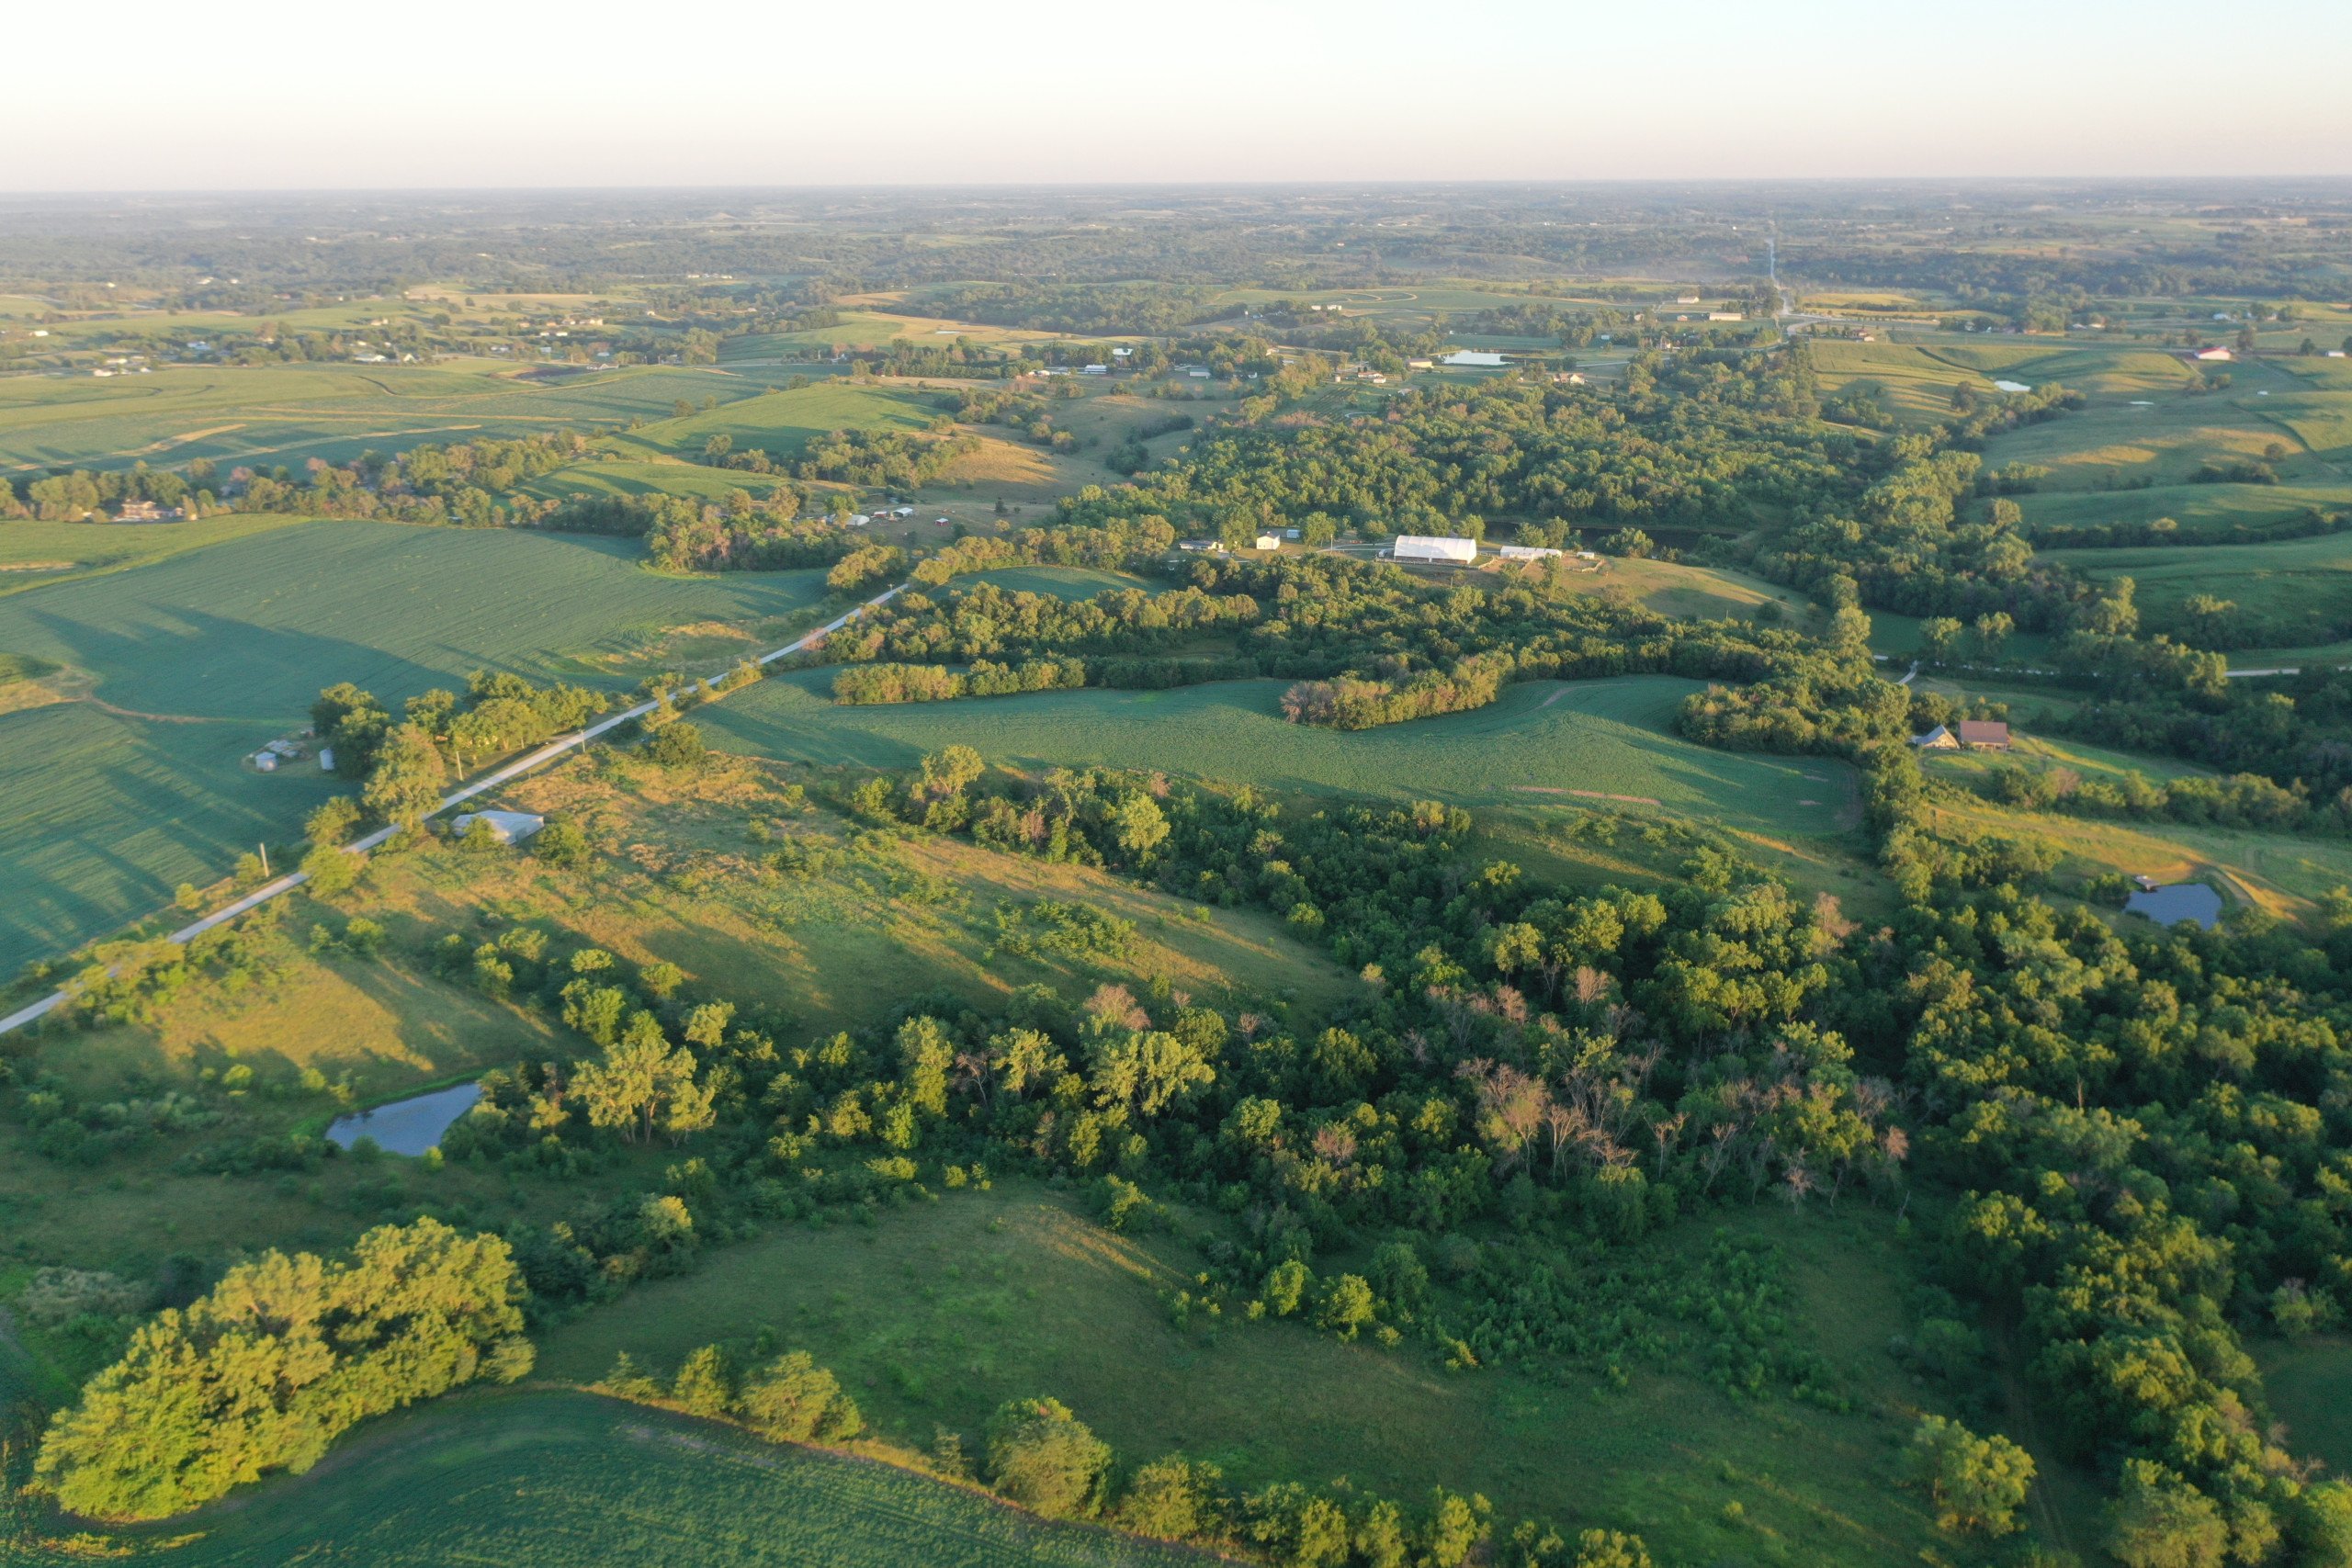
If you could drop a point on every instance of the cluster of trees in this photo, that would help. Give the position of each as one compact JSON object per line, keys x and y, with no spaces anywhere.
{"x":70,"y":496}
{"x":280,"y":1358}
{"x":890,"y":683}
{"x":2241,"y":800}
{"x":405,"y":762}
{"x":883,"y":459}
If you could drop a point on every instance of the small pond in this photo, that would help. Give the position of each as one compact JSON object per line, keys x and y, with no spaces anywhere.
{"x":407,"y":1126}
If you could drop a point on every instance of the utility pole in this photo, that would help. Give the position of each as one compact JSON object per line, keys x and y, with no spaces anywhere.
{"x":264,"y":862}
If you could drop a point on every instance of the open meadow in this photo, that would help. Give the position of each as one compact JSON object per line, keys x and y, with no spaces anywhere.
{"x":562,"y":1480}
{"x":2304,"y":587}
{"x":123,"y":773}
{"x":1607,"y":741}
{"x":934,"y":1313}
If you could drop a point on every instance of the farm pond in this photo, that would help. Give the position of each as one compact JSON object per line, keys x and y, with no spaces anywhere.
{"x":407,"y":1126}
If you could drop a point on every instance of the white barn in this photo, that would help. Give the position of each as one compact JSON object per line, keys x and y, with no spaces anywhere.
{"x":1475,"y":358}
{"x":1428,"y":547}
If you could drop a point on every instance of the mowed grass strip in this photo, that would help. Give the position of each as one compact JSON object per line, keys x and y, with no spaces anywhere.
{"x":186,"y":665}
{"x":1608,"y":739}
{"x":548,"y":1478}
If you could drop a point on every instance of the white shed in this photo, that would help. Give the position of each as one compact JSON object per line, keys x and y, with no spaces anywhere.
{"x":506,"y":826}
{"x":1428,"y":547}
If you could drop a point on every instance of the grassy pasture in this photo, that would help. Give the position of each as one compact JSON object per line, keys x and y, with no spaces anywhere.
{"x":1694,"y":592}
{"x":1062,"y":581}
{"x":284,"y":412}
{"x":2283,"y":875}
{"x":549,"y":1479}
{"x":937,"y":1313}
{"x":2310,"y":1384}
{"x":2218,"y":513}
{"x":181,"y":668}
{"x":2302,"y":580}
{"x":1608,"y":739}
{"x":783,"y":421}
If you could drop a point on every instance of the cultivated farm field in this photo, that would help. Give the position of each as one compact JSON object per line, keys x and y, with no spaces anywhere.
{"x":172,"y":673}
{"x":283,"y":413}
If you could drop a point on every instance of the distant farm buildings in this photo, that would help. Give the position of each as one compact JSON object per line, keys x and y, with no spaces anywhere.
{"x":147,"y":512}
{"x":1475,"y":359}
{"x":1976,"y":734}
{"x":1430,"y":548}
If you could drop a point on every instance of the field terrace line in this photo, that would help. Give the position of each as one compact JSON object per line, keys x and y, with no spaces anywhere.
{"x":489,"y":781}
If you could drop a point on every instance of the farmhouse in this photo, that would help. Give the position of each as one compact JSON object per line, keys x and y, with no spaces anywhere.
{"x":1939,"y":739}
{"x":506,"y":826}
{"x":1475,"y":359}
{"x":1983,"y":734}
{"x":2182,"y":901}
{"x":1427,"y":548}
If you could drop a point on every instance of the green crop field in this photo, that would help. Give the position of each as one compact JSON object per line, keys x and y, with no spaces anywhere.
{"x":562,"y":1480}
{"x":934,"y":1313}
{"x":1608,"y":739}
{"x":633,"y":480}
{"x":2303,"y":581}
{"x":180,"y":669}
{"x":282,"y":413}
{"x":781,"y":423}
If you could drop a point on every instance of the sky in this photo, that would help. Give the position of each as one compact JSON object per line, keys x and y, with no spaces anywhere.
{"x":265,"y":95}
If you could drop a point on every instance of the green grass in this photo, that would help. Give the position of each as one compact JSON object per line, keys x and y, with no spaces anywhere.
{"x":2302,"y":582}
{"x":41,"y":554}
{"x":1608,"y":738}
{"x":783,"y":422}
{"x":281,"y":413}
{"x":633,"y":480}
{"x":1062,"y":581}
{"x":2221,"y":513}
{"x":185,"y":667}
{"x":562,"y":1480}
{"x":2310,"y":1384}
{"x":2116,"y":440}
{"x":934,"y":1313}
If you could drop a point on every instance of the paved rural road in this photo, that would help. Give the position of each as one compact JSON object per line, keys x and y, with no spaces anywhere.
{"x":489,"y":781}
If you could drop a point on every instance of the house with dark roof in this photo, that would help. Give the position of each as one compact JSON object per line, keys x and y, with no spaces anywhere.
{"x":1983,"y":734}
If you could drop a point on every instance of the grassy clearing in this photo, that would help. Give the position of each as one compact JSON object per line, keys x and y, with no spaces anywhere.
{"x":1600,"y":739}
{"x":1694,"y":592}
{"x":935,"y":1314}
{"x":2039,"y":754}
{"x":2305,"y":583}
{"x":181,"y":668}
{"x":783,"y":422}
{"x":277,"y":413}
{"x":2280,"y":874}
{"x":2223,"y":514}
{"x":562,"y":1480}
{"x":1063,"y":581}
{"x":2310,"y":1384}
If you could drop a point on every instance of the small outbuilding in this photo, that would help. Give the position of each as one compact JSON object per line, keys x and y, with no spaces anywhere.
{"x":506,"y":826}
{"x":1268,"y":542}
{"x":2181,"y":901}
{"x":1430,"y":548}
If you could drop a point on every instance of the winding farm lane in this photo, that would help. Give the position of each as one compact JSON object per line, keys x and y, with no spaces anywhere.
{"x":489,"y":781}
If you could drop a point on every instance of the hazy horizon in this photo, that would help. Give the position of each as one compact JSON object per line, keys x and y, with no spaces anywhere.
{"x":468,"y":98}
